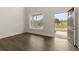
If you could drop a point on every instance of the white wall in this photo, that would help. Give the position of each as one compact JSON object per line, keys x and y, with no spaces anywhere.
{"x":15,"y":20}
{"x":12,"y":21}
{"x":48,"y":19}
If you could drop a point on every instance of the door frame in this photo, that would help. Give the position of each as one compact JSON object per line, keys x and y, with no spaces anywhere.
{"x":76,"y":26}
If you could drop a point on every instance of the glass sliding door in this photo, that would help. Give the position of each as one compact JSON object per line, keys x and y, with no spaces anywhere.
{"x":71,"y":26}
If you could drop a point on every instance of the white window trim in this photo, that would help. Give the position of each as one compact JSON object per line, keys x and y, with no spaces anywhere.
{"x":31,"y":20}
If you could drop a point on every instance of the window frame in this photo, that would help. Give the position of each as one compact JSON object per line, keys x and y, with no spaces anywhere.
{"x":31,"y":19}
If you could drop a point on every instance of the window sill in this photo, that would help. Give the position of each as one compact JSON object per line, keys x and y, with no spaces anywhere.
{"x":37,"y":28}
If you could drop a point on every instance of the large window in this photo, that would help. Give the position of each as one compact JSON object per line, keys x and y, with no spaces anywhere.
{"x":36,"y":21}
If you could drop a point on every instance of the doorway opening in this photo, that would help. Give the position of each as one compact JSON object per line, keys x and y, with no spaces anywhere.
{"x":61,"y":25}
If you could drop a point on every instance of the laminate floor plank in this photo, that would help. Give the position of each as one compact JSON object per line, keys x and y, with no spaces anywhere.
{"x":32,"y":42}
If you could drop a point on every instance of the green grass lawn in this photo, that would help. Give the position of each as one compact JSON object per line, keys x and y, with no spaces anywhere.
{"x":61,"y":29}
{"x":62,"y":26}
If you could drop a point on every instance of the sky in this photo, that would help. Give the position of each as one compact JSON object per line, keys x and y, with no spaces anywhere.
{"x":39,"y":17}
{"x":61,"y":16}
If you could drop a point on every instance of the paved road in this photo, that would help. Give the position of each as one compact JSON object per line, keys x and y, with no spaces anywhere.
{"x":62,"y":35}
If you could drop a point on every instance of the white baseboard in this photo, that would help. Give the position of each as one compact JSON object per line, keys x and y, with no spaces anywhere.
{"x":49,"y":35}
{"x":12,"y":34}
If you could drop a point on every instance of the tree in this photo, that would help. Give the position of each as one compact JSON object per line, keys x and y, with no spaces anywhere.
{"x":57,"y":21}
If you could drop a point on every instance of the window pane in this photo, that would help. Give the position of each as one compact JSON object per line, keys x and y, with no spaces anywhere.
{"x":34,"y":17}
{"x":37,"y":21}
{"x":40,"y":17}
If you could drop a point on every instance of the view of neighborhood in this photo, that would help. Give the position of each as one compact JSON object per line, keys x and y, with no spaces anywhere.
{"x":37,"y":21}
{"x":61,"y":22}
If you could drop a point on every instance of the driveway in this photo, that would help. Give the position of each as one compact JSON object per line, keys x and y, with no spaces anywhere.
{"x":60,"y":34}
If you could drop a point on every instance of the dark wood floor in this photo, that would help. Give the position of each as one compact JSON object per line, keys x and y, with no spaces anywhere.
{"x":31,"y":42}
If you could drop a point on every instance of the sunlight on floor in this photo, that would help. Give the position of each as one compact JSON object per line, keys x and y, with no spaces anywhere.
{"x":60,"y":34}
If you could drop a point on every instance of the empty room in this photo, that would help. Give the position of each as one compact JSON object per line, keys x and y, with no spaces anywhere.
{"x":39,"y":29}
